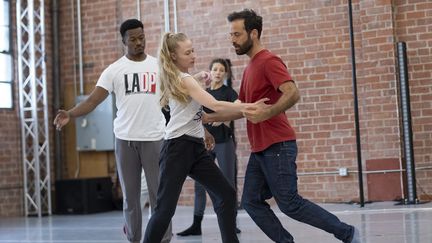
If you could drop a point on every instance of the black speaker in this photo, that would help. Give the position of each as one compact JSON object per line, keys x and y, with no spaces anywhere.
{"x":82,"y":196}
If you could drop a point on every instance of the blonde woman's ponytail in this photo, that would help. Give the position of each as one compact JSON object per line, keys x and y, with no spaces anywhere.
{"x":171,"y":85}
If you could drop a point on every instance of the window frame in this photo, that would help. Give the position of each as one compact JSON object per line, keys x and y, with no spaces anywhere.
{"x":9,"y":52}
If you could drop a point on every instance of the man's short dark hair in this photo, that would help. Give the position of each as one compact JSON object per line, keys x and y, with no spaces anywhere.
{"x":251,"y":20}
{"x":130,"y":24}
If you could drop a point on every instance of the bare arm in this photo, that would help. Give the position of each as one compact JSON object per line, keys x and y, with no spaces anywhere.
{"x":95,"y":98}
{"x":290,"y":96}
{"x":204,"y":98}
{"x":222,"y":116}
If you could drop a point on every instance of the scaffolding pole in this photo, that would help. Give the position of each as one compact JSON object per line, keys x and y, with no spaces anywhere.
{"x":33,"y":107}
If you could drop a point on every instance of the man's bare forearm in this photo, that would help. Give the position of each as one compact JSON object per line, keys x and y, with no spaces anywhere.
{"x":90,"y":103}
{"x":82,"y":108}
{"x":289,"y":98}
{"x":285,"y":102}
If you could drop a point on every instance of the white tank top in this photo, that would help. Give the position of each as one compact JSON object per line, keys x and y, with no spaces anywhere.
{"x":185,"y":118}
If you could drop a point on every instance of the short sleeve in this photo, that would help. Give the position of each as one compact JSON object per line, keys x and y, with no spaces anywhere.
{"x":106,"y":80}
{"x":276,"y":72}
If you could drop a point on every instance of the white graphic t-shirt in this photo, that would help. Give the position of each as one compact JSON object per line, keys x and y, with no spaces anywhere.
{"x":137,"y":92}
{"x":185,"y":118}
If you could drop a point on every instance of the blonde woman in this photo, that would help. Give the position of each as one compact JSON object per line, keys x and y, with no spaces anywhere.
{"x":184,"y":151}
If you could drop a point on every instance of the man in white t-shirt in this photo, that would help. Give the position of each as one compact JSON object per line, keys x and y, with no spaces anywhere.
{"x":139,"y":124}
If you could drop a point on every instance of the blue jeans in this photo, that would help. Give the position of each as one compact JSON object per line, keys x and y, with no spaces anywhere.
{"x":273,"y":173}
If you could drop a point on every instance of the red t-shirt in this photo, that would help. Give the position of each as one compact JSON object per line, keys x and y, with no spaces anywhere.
{"x":261,"y":79}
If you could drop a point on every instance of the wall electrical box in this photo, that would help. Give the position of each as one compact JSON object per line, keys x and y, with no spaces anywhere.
{"x":94,"y":131}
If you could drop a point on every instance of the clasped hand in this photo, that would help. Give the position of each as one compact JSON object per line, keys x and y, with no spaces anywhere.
{"x":258,"y":111}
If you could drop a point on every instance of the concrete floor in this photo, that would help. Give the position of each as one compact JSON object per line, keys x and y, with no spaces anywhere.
{"x":382,"y":222}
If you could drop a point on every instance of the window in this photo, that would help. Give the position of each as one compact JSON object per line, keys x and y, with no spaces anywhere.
{"x":5,"y":57}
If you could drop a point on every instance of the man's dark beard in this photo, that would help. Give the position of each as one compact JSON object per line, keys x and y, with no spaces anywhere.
{"x":245,"y":48}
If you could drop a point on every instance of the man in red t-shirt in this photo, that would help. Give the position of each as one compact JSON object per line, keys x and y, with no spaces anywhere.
{"x":272,"y":170}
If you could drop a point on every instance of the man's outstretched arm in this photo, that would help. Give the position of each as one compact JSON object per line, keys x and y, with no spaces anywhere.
{"x":95,"y":98}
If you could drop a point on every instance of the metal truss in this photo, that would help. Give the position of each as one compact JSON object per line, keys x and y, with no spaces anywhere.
{"x":33,"y":106}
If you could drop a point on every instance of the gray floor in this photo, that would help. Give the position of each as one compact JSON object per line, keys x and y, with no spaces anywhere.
{"x":382,"y":222}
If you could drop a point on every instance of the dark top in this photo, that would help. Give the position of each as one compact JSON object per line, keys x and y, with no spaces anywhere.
{"x":221,"y":133}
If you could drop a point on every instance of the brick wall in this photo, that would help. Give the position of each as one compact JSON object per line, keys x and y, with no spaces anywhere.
{"x":413,"y":25}
{"x":312,"y":37}
{"x":11,"y":192}
{"x":377,"y":85}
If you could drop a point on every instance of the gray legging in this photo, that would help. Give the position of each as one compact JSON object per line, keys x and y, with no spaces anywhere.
{"x":131,"y":158}
{"x":226,"y":157}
